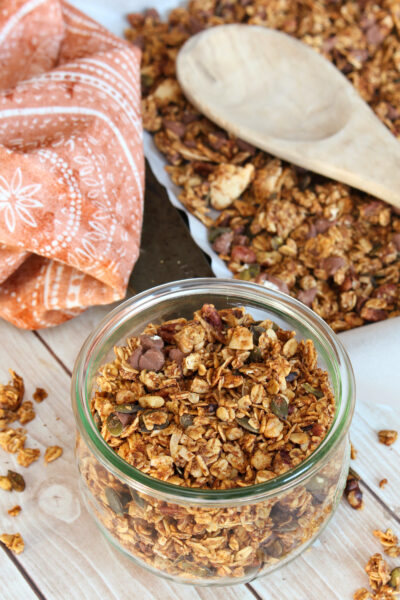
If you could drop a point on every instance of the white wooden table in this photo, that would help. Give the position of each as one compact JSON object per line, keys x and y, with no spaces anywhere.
{"x":66,"y":557}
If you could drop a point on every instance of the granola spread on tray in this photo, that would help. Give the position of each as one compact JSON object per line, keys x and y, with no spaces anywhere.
{"x":215,"y":402}
{"x":332,"y":247}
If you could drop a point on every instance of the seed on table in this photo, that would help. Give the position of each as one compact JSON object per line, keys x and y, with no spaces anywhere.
{"x":17,"y":481}
{"x":395,"y":578}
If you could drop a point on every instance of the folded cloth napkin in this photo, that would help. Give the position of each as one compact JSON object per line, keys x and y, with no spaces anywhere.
{"x":71,"y":163}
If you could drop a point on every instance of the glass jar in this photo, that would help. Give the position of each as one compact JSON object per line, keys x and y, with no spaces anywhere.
{"x":199,"y":536}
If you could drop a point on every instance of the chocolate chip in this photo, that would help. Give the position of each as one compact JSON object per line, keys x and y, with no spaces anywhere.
{"x":307,"y":296}
{"x":151,"y":342}
{"x":152,"y":360}
{"x":176,"y":355}
{"x":133,"y":360}
{"x":332,"y":264}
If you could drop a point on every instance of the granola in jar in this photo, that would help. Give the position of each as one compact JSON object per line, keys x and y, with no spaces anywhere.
{"x":217,"y":402}
{"x":332,"y":247}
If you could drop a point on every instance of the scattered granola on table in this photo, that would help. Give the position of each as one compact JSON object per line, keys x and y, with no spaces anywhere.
{"x":13,"y":541}
{"x":39,"y":395}
{"x":384,"y":582}
{"x":215,"y":402}
{"x":26,"y":456}
{"x":387,"y":436}
{"x":14,"y":511}
{"x":383,"y":482}
{"x":52,"y":453}
{"x":334,"y":248}
{"x":389,"y":542}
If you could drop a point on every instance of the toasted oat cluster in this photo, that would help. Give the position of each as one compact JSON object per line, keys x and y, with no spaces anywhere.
{"x":332,"y":247}
{"x":219,"y":401}
{"x":384,"y":581}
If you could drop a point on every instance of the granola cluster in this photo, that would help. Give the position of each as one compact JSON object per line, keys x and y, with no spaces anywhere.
{"x":332,"y":247}
{"x":215,"y":402}
{"x":13,"y":408}
{"x":384,"y":582}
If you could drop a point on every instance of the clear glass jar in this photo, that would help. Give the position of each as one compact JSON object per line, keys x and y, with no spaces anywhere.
{"x":211,"y":537}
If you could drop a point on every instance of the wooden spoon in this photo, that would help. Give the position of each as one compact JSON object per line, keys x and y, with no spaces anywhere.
{"x":280,"y":95}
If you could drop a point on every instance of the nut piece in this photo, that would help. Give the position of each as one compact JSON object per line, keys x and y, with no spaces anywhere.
{"x":273,"y":427}
{"x":228,"y":182}
{"x":387,"y":436}
{"x":13,"y":541}
{"x":353,"y":493}
{"x":241,"y":339}
{"x":27,"y":456}
{"x":52,"y":453}
{"x":39,"y":395}
{"x":14,"y":511}
{"x":151,"y":401}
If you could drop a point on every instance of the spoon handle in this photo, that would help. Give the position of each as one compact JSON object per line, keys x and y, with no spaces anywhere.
{"x":363,"y":154}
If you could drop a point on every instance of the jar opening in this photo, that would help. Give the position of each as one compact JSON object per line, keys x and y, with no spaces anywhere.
{"x":166,"y":302}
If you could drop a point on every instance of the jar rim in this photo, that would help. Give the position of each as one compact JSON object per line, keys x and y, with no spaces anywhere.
{"x":338,"y":365}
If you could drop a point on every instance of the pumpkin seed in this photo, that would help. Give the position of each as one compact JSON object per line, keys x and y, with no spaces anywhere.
{"x":97,"y":420}
{"x":289,"y":526}
{"x":17,"y":481}
{"x":114,"y":501}
{"x":137,"y":499}
{"x":114,"y":425}
{"x":215,"y":232}
{"x":142,"y":425}
{"x":275,"y":549}
{"x":316,"y":486}
{"x":312,"y":390}
{"x":186,"y":420}
{"x":129,"y":409}
{"x":255,"y":355}
{"x":244,"y":422}
{"x":197,"y":570}
{"x":250,"y":273}
{"x":146,"y":80}
{"x":256,"y":330}
{"x":395,"y":578}
{"x":280,"y":406}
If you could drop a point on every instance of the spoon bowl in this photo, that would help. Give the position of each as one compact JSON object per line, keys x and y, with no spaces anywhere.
{"x":279,"y":94}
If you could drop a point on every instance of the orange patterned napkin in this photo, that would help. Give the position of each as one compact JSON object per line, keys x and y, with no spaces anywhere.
{"x":71,"y":163}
